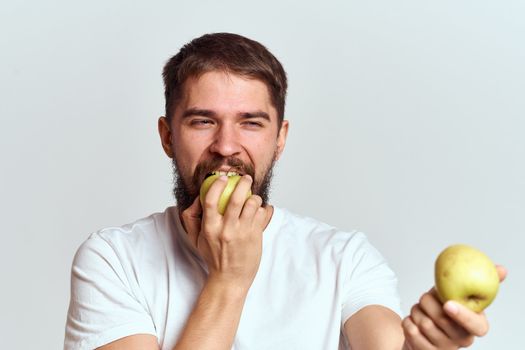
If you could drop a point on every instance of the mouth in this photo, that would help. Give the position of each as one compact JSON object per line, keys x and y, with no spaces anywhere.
{"x":221,"y":173}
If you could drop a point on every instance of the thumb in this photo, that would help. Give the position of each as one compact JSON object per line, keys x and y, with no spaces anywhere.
{"x":191,"y":220}
{"x":474,"y":323}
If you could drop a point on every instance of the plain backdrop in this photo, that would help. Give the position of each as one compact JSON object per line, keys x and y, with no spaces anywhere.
{"x":407,"y":123}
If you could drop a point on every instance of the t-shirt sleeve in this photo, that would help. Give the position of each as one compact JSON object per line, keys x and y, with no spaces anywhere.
{"x":368,"y":279}
{"x":103,"y":306}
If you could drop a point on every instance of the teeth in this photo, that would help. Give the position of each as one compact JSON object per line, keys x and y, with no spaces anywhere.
{"x":227,"y":173}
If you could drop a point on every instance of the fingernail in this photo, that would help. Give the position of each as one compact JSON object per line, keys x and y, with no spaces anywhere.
{"x":451,"y":307}
{"x":223,"y":178}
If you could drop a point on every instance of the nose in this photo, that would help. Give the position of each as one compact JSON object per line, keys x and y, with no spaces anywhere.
{"x":226,"y":141}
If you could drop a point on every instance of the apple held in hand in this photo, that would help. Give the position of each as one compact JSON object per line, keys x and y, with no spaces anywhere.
{"x":233,"y":179}
{"x":466,"y":275}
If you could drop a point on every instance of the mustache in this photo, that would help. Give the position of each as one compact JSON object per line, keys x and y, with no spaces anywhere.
{"x":185,"y":190}
{"x":210,"y":165}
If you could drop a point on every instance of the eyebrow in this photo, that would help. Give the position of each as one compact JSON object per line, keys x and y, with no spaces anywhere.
{"x":198,"y":111}
{"x":257,"y":114}
{"x":209,"y":113}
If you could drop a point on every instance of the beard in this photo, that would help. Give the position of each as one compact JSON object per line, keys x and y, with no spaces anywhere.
{"x":186,"y":190}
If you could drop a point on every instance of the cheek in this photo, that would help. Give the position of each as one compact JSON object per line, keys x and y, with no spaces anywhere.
{"x":189,"y":150}
{"x":261,"y":142}
{"x":263,"y":154}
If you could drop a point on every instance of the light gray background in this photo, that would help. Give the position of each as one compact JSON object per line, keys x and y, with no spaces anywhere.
{"x":407,"y":122}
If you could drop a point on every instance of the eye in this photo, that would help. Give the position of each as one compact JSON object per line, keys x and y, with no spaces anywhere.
{"x":201,"y":122}
{"x":253,"y":124}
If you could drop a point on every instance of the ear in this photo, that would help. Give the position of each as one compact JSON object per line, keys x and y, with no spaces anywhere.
{"x":281,"y":138}
{"x":165,"y":136}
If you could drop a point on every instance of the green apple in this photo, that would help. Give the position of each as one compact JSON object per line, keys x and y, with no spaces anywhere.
{"x":233,"y":179}
{"x":466,"y":275}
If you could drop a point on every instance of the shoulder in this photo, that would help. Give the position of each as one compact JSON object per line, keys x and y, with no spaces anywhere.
{"x":112,"y":277}
{"x":126,"y":242}
{"x":307,"y":229}
{"x":144,"y":229}
{"x":317,"y":238}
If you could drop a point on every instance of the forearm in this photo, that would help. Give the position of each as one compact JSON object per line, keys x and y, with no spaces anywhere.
{"x":231,"y":246}
{"x":215,"y":318}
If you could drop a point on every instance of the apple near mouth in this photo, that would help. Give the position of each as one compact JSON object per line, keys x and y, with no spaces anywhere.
{"x":466,"y":275}
{"x":233,"y":179}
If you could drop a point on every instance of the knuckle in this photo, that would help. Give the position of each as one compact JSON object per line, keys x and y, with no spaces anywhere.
{"x":207,"y":234}
{"x":412,"y":331}
{"x":209,"y":204}
{"x":225,"y":237}
{"x":409,"y":328}
{"x":425,"y":299}
{"x":427,"y":324}
{"x":252,"y":202}
{"x":414,"y":309}
{"x":257,"y":199}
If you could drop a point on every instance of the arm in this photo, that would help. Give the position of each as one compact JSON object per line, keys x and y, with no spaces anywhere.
{"x":231,"y":245}
{"x":374,"y":328}
{"x":214,"y":321}
{"x":211,"y":325}
{"x":430,"y":326}
{"x":133,"y":342}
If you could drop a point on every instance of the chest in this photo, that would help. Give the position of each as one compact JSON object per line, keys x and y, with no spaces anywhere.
{"x":293,"y":303}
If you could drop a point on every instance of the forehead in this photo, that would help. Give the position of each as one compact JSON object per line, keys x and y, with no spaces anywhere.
{"x":227,"y":92}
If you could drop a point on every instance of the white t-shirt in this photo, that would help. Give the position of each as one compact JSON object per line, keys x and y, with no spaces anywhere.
{"x":145,"y":277}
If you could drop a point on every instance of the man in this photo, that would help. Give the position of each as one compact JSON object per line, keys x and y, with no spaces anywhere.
{"x":257,"y":277}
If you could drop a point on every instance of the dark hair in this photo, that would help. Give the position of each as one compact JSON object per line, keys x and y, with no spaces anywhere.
{"x":229,"y":53}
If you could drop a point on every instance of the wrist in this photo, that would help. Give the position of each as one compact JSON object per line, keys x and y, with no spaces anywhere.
{"x":226,"y":289}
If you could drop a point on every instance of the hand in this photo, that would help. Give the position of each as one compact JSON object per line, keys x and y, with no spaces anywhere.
{"x":433,"y":326}
{"x":231,"y":244}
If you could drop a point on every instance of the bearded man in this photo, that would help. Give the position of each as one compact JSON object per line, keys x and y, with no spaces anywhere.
{"x":256,"y":276}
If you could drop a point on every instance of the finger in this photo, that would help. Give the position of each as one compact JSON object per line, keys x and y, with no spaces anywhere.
{"x":191,"y":220}
{"x":238,"y":198}
{"x":262,"y":217}
{"x":250,"y":208}
{"x":502,"y":272}
{"x":413,"y":336}
{"x":432,"y":307}
{"x":211,"y":201}
{"x":474,"y":323}
{"x":407,"y":346}
{"x":427,"y":327}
